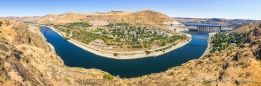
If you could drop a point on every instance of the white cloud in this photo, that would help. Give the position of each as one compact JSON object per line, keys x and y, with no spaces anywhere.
{"x":1,"y":15}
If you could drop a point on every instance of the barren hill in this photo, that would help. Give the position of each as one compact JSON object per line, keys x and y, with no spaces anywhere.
{"x":139,"y":17}
{"x":221,"y":21}
{"x":25,"y":18}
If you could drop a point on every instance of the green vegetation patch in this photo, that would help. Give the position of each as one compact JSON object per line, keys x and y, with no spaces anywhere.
{"x":97,"y":30}
{"x":66,"y":38}
{"x":147,"y":52}
{"x":227,"y":40}
{"x":1,"y":23}
{"x":107,"y":76}
{"x":115,"y":54}
{"x":82,"y":25}
{"x":68,"y":80}
{"x":120,"y":35}
{"x":230,"y":47}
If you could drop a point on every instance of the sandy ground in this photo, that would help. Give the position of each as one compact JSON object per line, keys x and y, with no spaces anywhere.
{"x":207,"y":51}
{"x":124,"y":55}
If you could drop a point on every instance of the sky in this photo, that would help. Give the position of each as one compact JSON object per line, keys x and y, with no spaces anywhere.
{"x":231,"y":9}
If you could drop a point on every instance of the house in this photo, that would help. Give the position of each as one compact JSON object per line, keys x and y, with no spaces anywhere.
{"x":122,"y":40}
{"x":97,"y":32}
{"x":233,"y":44}
{"x":169,"y":35}
{"x":98,"y":42}
{"x":108,"y":29}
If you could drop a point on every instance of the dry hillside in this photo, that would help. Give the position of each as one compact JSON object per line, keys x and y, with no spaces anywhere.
{"x":26,"y":18}
{"x":220,"y":21}
{"x":145,"y":17}
{"x":27,"y":59}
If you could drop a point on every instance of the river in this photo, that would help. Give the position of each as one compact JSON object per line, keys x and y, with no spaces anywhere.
{"x":74,"y":56}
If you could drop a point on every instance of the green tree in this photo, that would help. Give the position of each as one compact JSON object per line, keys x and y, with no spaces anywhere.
{"x":118,"y":39}
{"x":147,"y":52}
{"x":115,"y":54}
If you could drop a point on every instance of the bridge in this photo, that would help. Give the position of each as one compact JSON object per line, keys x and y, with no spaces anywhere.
{"x":203,"y":28}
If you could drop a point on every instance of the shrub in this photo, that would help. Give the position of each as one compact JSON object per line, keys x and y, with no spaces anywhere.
{"x":1,"y":23}
{"x":24,"y":48}
{"x":107,"y":76}
{"x":66,"y":38}
{"x":115,"y":54}
{"x":230,"y":47}
{"x":67,"y":80}
{"x":148,"y":52}
{"x":93,"y":75}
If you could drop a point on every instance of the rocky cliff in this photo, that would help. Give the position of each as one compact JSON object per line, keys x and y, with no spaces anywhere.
{"x":26,"y":59}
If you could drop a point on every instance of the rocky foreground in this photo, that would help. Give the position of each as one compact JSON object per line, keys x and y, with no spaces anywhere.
{"x":27,"y":59}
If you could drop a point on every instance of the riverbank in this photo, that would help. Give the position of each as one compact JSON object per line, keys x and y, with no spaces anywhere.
{"x":208,"y":49}
{"x":58,"y":32}
{"x":124,"y":55}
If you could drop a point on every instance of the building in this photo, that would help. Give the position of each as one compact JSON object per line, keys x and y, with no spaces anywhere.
{"x":233,"y":44}
{"x":226,"y":28}
{"x":174,"y":26}
{"x":98,"y":42}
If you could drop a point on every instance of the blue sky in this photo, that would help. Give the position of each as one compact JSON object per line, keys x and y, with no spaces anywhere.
{"x":233,"y":9}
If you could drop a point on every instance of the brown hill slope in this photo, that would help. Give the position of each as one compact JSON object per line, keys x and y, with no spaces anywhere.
{"x":26,"y":18}
{"x":139,"y":17}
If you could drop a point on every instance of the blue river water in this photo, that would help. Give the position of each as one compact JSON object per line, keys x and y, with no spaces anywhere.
{"x":74,"y":56}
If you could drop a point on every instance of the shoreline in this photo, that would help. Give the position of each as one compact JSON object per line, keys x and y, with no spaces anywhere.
{"x":51,"y":47}
{"x":137,"y":54}
{"x":207,"y":51}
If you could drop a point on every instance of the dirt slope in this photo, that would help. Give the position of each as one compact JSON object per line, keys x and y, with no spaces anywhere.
{"x":145,"y":17}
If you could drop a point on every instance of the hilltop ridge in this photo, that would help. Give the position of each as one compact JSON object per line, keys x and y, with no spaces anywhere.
{"x":144,"y":17}
{"x":141,"y":17}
